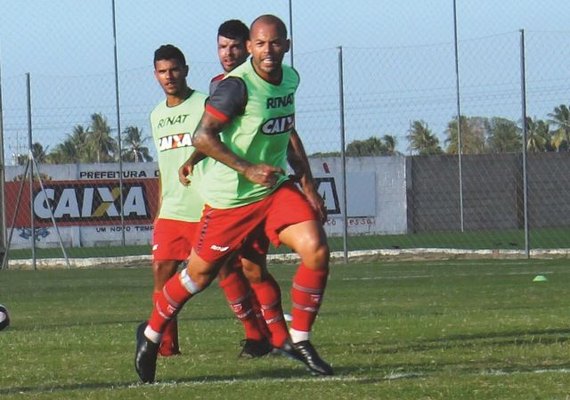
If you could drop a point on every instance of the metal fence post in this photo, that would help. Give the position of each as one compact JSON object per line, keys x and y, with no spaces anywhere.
{"x":118,"y":109}
{"x":459,"y":143}
{"x":524,"y":146}
{"x":32,"y":222}
{"x":2,"y":176}
{"x":343,"y":155}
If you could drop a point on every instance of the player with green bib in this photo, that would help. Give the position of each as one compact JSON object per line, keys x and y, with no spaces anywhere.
{"x":245,"y":132}
{"x":173,"y":122}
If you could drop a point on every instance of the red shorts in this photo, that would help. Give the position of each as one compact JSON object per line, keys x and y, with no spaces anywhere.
{"x":172,"y":239}
{"x":222,"y":231}
{"x":255,"y":247}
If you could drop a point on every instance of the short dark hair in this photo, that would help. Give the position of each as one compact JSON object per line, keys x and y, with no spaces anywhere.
{"x":234,"y":29}
{"x":169,"y":52}
{"x":274,"y":20}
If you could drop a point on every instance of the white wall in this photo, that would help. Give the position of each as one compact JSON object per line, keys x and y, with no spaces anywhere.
{"x":376,"y":198}
{"x":376,"y":193}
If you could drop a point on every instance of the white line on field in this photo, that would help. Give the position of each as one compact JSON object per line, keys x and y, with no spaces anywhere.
{"x":536,"y":371}
{"x":386,"y":278}
{"x":348,"y":378}
{"x":381,"y":278}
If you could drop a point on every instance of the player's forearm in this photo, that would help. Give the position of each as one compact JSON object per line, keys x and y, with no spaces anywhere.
{"x":195,"y":158}
{"x":159,"y":201}
{"x":294,"y":161}
{"x":297,"y":158}
{"x":207,"y":142}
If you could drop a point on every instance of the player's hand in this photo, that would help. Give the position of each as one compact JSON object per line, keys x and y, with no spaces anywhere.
{"x":295,"y":178}
{"x":185,"y":174}
{"x":263,"y":174}
{"x":317,"y":203}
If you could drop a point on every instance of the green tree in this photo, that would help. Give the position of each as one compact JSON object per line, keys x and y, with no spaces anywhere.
{"x":560,"y":117}
{"x":38,"y":152}
{"x":503,"y":136}
{"x":102,"y":147}
{"x":472,"y":135}
{"x":421,"y":139}
{"x":79,"y":141}
{"x":133,"y":145}
{"x":74,"y":149}
{"x":390,"y":144}
{"x":537,"y":135}
{"x":320,"y":154}
{"x":373,"y":146}
{"x":64,"y":153}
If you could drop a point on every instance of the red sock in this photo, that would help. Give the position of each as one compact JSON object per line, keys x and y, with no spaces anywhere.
{"x":239,"y":298}
{"x":168,"y":302}
{"x":306,"y":296}
{"x":269,"y":295}
{"x":261,"y":325}
{"x":169,"y":341}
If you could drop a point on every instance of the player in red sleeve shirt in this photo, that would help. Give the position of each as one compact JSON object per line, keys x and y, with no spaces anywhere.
{"x":232,"y":52}
{"x":245,"y":132}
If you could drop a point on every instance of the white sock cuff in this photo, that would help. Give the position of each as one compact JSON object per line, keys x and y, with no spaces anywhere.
{"x":188,"y":283}
{"x":299,"y":336}
{"x":152,"y":335}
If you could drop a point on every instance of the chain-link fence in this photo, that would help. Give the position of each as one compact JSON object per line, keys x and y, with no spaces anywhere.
{"x":408,"y":187}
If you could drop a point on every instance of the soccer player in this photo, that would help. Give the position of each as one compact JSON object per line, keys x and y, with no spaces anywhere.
{"x":173,"y":121}
{"x":232,"y":52}
{"x":245,"y":133}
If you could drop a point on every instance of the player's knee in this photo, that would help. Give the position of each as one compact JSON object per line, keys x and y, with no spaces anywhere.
{"x":195,"y":282}
{"x":252,"y":271}
{"x":201,"y":272}
{"x":164,"y":269}
{"x":322,"y":256}
{"x":315,"y":254}
{"x":225,"y":271}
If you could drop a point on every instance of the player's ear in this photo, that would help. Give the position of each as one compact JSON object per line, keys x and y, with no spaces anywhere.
{"x":287,"y":45}
{"x":248,"y":46}
{"x":186,"y":69}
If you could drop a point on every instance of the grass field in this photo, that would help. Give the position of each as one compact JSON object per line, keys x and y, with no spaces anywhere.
{"x":546,"y":238}
{"x":394,"y":330}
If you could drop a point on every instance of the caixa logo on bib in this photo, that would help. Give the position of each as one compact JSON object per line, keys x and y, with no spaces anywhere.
{"x":278,"y":125}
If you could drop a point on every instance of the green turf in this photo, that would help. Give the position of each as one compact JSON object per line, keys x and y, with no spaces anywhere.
{"x":430,"y":330}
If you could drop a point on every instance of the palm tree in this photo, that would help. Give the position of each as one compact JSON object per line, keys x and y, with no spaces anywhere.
{"x":390,"y":143}
{"x":79,"y":139}
{"x":321,"y":154}
{"x":133,"y":149}
{"x":422,"y":140}
{"x":101,"y":144}
{"x":538,"y":135}
{"x":64,"y":153}
{"x":74,"y":149}
{"x":472,"y":135}
{"x":561,"y":119}
{"x":503,"y":136}
{"x":373,"y":146}
{"x":38,"y":153}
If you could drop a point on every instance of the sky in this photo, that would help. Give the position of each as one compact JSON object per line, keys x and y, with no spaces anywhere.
{"x":397,"y":61}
